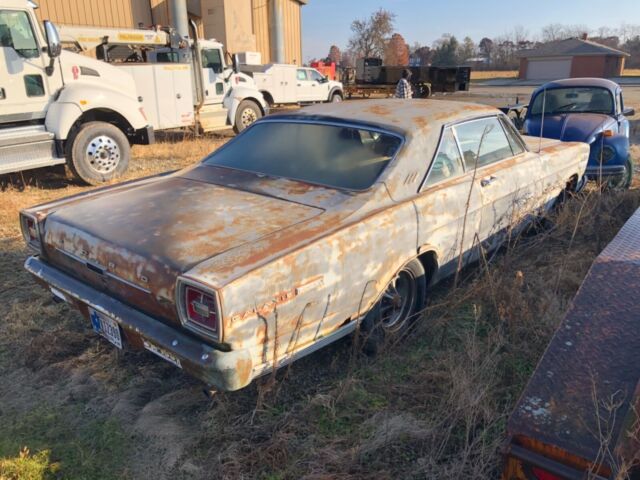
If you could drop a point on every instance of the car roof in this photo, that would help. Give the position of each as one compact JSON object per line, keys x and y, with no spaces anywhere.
{"x":580,"y":82}
{"x":407,"y":117}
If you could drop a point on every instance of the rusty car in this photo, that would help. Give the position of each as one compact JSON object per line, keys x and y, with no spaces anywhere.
{"x":307,"y":226}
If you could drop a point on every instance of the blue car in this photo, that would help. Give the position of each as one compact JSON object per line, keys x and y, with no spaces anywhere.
{"x":589,"y":110}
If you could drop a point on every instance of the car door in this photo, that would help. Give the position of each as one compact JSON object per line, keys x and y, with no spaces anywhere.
{"x":213,"y":75}
{"x":506,"y":175}
{"x":319,"y":87}
{"x":623,"y":121}
{"x":444,"y":216}
{"x":25,"y":88}
{"x":303,"y":86}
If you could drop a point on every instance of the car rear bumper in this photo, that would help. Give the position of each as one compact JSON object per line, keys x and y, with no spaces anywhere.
{"x":224,"y":370}
{"x":605,"y":172}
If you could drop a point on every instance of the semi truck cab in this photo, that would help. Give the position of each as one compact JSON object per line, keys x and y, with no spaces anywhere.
{"x":58,"y":107}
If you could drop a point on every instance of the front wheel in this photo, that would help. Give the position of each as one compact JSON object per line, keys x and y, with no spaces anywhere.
{"x":404,"y":297}
{"x":336,"y":98}
{"x":247,"y":113}
{"x":99,"y":153}
{"x":624,"y":181}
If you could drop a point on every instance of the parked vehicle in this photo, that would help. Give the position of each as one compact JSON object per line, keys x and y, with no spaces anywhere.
{"x":57,"y":107}
{"x":296,"y":231}
{"x":370,"y":77}
{"x":587,"y":110}
{"x":282,"y":84}
{"x":578,"y":416}
{"x":181,"y":83}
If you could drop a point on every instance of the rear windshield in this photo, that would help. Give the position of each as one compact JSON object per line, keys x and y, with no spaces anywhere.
{"x":573,"y":100}
{"x":335,"y":156}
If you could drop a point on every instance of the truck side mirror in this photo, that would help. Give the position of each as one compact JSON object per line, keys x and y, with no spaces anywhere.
{"x":54,"y":47}
{"x":629,"y":112}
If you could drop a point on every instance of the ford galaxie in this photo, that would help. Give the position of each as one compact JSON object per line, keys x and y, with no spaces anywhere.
{"x":291,"y":235}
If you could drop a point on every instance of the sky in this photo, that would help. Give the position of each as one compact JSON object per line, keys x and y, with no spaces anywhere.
{"x":327,"y":22}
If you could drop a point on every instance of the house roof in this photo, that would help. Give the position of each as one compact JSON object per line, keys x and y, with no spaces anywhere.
{"x":571,"y":47}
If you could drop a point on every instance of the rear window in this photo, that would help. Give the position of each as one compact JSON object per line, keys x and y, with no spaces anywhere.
{"x":336,"y":156}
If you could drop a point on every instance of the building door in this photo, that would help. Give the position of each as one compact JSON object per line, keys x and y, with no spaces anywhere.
{"x":549,"y":69}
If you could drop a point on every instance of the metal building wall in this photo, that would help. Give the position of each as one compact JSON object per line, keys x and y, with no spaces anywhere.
{"x":292,"y":29}
{"x":99,"y":13}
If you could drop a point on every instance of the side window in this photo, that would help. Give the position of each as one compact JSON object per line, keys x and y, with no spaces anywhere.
{"x":447,"y":163}
{"x":512,"y":136}
{"x":483,"y":142}
{"x":34,"y":85}
{"x":302,"y":74}
{"x":315,"y":75}
{"x":212,"y":59}
{"x":16,"y":33}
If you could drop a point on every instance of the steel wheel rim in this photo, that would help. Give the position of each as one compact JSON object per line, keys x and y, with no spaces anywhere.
{"x":248,"y":117}
{"x":336,"y":99}
{"x":397,"y":301}
{"x":103,"y":154}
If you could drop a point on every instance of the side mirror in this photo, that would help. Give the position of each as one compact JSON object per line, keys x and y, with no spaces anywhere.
{"x":629,"y":112}
{"x":54,"y":47}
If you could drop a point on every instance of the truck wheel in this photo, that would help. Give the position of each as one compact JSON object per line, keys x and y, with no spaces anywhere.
{"x":401,"y":302}
{"x":99,"y":153}
{"x":247,"y":113}
{"x":336,"y":97}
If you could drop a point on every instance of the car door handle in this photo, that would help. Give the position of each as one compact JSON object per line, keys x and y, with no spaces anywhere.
{"x":299,"y":84}
{"x":485,"y":182}
{"x":2,"y":94}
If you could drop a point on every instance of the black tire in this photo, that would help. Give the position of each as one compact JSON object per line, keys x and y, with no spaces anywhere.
{"x":336,"y":97}
{"x":248,"y":112}
{"x":394,"y":312}
{"x":99,"y":152}
{"x":625,"y":181}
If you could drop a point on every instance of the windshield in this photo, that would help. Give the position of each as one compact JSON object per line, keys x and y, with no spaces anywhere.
{"x":335,"y":156}
{"x":573,"y":100}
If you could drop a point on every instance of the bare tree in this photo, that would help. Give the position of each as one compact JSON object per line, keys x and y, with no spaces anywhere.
{"x":466,"y":50}
{"x":421,"y":54}
{"x":371,"y":35}
{"x":334,"y":55}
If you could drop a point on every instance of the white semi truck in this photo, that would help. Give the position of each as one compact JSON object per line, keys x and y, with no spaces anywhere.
{"x":57,"y":107}
{"x":182,"y":82}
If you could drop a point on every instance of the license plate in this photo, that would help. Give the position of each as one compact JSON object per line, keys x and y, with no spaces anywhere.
{"x":107,"y":327}
{"x":162,"y":353}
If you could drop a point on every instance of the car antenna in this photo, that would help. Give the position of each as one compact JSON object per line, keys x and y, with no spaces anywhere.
{"x":544,"y":104}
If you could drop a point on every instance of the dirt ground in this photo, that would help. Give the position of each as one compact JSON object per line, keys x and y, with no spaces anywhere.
{"x":433,"y":405}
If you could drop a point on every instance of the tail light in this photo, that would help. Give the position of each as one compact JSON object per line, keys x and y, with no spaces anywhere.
{"x":30,"y":231}
{"x":199,"y":309}
{"x":540,"y":474}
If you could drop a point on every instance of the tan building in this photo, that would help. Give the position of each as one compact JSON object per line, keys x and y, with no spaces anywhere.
{"x":241,"y":25}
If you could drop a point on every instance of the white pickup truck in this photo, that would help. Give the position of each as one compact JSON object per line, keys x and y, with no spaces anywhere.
{"x":58,"y":107}
{"x":283,"y":84}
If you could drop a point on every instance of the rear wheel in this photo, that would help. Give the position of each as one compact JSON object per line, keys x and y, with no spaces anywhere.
{"x":99,"y":153}
{"x":247,"y":113}
{"x":403,"y":298}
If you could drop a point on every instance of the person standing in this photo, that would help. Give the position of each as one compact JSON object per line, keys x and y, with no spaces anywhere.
{"x":403,"y":88}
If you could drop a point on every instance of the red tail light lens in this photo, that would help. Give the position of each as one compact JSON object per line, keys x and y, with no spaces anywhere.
{"x":30,"y":231}
{"x":540,"y":474}
{"x":201,"y":308}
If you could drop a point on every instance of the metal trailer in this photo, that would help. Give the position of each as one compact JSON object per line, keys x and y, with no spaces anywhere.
{"x":578,"y":416}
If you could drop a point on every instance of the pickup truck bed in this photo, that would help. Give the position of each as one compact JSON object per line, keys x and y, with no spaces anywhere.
{"x":582,"y":401}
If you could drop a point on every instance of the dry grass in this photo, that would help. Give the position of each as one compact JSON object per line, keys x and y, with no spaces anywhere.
{"x":631,"y":72}
{"x":433,"y":405}
{"x":491,"y":74}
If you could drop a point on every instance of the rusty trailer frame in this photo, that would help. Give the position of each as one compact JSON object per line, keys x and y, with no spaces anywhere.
{"x":578,"y":415}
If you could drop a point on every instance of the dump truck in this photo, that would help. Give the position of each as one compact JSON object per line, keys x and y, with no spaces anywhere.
{"x":578,"y":416}
{"x":182,"y":82}
{"x":57,"y":107}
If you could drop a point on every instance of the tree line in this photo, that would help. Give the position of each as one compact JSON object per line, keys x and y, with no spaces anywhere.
{"x":376,"y":36}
